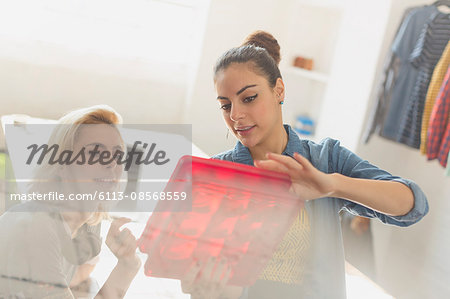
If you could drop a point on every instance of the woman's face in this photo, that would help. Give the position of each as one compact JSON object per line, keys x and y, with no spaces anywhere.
{"x":91,"y":177}
{"x":250,"y":107}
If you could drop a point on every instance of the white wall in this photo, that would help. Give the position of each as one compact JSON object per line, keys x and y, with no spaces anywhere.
{"x":352,"y":71}
{"x":48,"y":86}
{"x":411,"y":262}
{"x":137,"y":57}
{"x":229,"y":22}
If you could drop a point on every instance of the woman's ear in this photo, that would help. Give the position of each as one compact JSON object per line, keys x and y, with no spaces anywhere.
{"x":279,"y":90}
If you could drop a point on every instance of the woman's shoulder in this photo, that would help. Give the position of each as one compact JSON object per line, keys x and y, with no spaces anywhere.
{"x":22,"y":224}
{"x":32,"y":244}
{"x":306,"y":147}
{"x":325,"y":142}
{"x":322,"y":155}
{"x":311,"y":148}
{"x":226,"y":155}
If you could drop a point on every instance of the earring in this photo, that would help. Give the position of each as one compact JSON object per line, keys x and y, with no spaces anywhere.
{"x":282,"y":102}
{"x":228,"y":133}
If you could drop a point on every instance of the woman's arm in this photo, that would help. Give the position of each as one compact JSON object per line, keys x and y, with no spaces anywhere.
{"x":387,"y":197}
{"x":120,"y":279}
{"x":123,"y":244}
{"x":82,"y":273}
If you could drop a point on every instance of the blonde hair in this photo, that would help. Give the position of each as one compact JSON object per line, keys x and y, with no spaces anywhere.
{"x":64,"y":135}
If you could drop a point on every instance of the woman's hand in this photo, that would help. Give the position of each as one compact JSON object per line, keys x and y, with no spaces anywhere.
{"x":122,"y":243}
{"x":209,"y":281}
{"x":307,"y":181}
{"x":360,"y":225}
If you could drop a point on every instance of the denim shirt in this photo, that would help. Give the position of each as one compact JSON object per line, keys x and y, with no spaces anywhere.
{"x":326,"y":274}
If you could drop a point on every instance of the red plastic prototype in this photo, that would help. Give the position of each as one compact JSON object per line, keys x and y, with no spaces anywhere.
{"x":235,"y":211}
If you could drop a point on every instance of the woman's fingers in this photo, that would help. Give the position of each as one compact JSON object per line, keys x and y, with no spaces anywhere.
{"x":121,"y":242}
{"x":224,"y":275}
{"x":207,"y":281}
{"x":307,"y":181}
{"x":284,"y":164}
{"x":126,"y":237}
{"x":208,"y":269}
{"x":187,"y":283}
{"x":290,"y":163}
{"x":220,"y":270}
{"x":127,"y":241}
{"x":216,"y":273}
{"x":303,"y":161}
{"x":360,"y":225}
{"x":114,"y":229}
{"x":271,"y":165}
{"x":208,"y":284}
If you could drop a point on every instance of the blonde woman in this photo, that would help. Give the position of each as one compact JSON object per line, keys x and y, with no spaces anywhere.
{"x":45,"y":242}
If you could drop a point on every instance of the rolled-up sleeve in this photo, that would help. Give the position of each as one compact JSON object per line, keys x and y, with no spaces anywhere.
{"x":419,"y":210}
{"x":349,"y":164}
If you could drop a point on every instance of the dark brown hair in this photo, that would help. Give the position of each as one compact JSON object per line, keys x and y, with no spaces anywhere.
{"x":261,"y":49}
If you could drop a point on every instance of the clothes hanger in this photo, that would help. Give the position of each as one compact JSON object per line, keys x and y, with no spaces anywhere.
{"x":442,"y":2}
{"x":443,"y":6}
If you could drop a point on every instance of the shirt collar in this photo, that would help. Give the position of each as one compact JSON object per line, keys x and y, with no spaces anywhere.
{"x":241,"y":154}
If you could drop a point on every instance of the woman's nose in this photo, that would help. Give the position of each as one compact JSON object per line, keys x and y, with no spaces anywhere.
{"x":112,"y":161}
{"x":237,"y":112}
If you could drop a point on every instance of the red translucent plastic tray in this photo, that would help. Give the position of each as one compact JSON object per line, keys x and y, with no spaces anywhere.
{"x":236,"y":211}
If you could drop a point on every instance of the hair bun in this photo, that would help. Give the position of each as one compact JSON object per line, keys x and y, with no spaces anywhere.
{"x":264,"y":40}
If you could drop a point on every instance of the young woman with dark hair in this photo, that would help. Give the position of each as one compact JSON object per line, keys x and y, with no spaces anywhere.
{"x":309,"y":262}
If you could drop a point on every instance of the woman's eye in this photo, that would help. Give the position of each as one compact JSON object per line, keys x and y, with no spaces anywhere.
{"x":226,"y":107}
{"x":250,"y":99}
{"x":94,"y":154}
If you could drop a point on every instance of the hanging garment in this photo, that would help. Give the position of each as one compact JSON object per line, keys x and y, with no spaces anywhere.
{"x":390,"y":72}
{"x":438,"y":144}
{"x":432,"y":93}
{"x":399,"y":75}
{"x":447,"y":170}
{"x":426,"y":54}
{"x":445,"y":147}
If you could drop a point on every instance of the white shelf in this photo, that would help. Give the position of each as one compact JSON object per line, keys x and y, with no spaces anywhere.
{"x":312,"y":75}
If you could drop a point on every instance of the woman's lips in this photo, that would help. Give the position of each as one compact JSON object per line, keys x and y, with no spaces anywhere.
{"x":244,"y":130}
{"x":107,"y":181}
